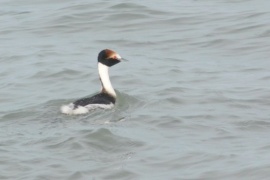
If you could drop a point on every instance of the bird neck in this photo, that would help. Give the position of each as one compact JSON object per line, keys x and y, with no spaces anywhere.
{"x":105,"y":79}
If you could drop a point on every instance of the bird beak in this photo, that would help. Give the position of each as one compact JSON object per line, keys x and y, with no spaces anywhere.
{"x":123,"y":59}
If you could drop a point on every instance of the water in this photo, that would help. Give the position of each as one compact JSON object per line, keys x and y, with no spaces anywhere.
{"x":193,"y":100}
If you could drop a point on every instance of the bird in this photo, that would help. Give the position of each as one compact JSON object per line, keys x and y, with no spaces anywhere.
{"x":106,"y":98}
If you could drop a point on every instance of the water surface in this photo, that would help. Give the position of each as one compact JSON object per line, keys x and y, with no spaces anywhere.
{"x":193,"y":100}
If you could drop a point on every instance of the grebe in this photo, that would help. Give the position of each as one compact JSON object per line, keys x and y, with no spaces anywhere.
{"x":106,"y":98}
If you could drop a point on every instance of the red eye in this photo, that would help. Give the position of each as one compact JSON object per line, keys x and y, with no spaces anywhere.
{"x":114,"y":57}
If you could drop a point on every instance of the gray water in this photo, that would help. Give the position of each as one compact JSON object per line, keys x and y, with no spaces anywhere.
{"x":193,"y":99}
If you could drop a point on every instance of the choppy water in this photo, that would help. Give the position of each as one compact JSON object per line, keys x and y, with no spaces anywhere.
{"x":193,"y":100}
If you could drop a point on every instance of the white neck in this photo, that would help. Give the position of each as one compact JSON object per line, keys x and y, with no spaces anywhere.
{"x":105,"y":79}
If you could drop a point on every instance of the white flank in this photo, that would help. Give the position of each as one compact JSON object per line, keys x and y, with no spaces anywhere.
{"x":68,"y":109}
{"x":105,"y":79}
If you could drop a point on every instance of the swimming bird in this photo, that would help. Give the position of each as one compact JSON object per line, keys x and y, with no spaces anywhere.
{"x":107,"y":97}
